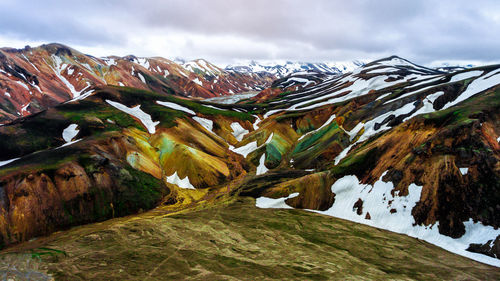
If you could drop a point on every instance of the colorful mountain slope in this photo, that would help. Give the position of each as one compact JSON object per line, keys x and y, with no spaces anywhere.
{"x":33,"y":79}
{"x":409,"y":132}
{"x":392,"y":145}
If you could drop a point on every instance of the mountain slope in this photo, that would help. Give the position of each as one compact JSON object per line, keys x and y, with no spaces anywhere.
{"x":237,"y":240}
{"x":392,"y":145}
{"x":282,"y":69}
{"x":33,"y":79}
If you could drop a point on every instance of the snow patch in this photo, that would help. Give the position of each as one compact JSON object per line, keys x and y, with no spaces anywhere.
{"x":182,"y":183}
{"x":5,"y":162}
{"x":238,"y":131}
{"x":175,"y":106}
{"x":25,"y":108}
{"x":262,"y":169}
{"x":137,"y":113}
{"x":246,"y":149}
{"x":205,"y":123}
{"x":58,"y":68}
{"x":279,"y":203}
{"x":70,"y":132}
{"x":478,"y":85}
{"x":322,"y":126}
{"x":197,"y":81}
{"x":466,"y":75}
{"x":142,"y":78}
{"x":23,"y":85}
{"x":393,"y":213}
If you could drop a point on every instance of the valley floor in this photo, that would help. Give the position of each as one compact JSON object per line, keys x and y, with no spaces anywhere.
{"x":237,"y":241}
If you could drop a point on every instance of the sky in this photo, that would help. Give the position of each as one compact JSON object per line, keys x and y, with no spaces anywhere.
{"x":427,"y":32}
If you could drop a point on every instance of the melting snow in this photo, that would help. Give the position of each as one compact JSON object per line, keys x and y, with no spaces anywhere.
{"x":25,"y":108}
{"x":141,"y":77}
{"x":322,"y":126}
{"x":249,"y":147}
{"x":465,"y":75}
{"x":256,"y":123}
{"x":137,"y":113}
{"x":478,"y":85}
{"x":197,"y":81}
{"x":343,"y":153}
{"x":31,"y":63}
{"x":297,"y":79}
{"x":246,"y":149}
{"x":279,"y":203}
{"x":70,"y":132}
{"x":58,"y":69}
{"x":176,"y":106}
{"x":206,"y":123}
{"x":22,"y":84}
{"x":182,"y":183}
{"x":354,"y":132}
{"x":5,"y":162}
{"x":143,"y":62}
{"x":69,"y":143}
{"x":359,"y":88}
{"x":378,"y":202}
{"x":262,"y":169}
{"x":84,"y":96}
{"x":238,"y":131}
{"x":427,"y":107}
{"x":211,"y":106}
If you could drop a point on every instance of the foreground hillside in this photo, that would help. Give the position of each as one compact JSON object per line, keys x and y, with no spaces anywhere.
{"x":392,"y":145}
{"x":237,"y":241}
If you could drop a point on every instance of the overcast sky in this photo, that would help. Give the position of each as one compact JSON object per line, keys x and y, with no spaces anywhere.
{"x":225,"y":31}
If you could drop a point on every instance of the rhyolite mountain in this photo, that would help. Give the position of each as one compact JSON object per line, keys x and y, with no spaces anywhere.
{"x":392,"y":145}
{"x":33,"y":79}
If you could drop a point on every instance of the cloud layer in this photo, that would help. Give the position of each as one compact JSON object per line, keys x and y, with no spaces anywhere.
{"x":225,"y":31}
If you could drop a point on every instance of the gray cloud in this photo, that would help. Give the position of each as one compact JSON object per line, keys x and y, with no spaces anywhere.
{"x":227,"y":30}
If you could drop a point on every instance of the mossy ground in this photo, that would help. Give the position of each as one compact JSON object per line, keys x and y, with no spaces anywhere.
{"x":237,"y":241}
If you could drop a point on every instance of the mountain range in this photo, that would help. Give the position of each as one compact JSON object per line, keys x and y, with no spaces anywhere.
{"x":281,"y":69}
{"x":391,"y":145}
{"x":50,"y":74}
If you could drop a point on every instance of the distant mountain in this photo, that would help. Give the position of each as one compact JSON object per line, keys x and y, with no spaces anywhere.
{"x":282,"y":69}
{"x":33,"y":79}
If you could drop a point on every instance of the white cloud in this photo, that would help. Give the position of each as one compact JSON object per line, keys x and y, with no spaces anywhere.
{"x":227,"y":30}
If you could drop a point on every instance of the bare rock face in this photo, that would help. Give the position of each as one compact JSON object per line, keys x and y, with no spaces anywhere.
{"x":40,"y":202}
{"x":490,"y":248}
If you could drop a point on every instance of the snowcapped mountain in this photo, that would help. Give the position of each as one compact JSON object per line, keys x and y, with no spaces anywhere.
{"x":282,"y":69}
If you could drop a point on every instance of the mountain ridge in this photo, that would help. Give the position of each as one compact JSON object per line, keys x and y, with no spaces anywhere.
{"x":393,"y":145}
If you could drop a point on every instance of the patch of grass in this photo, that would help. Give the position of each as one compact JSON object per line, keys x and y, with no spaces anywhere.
{"x":142,"y":191}
{"x":240,"y":241}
